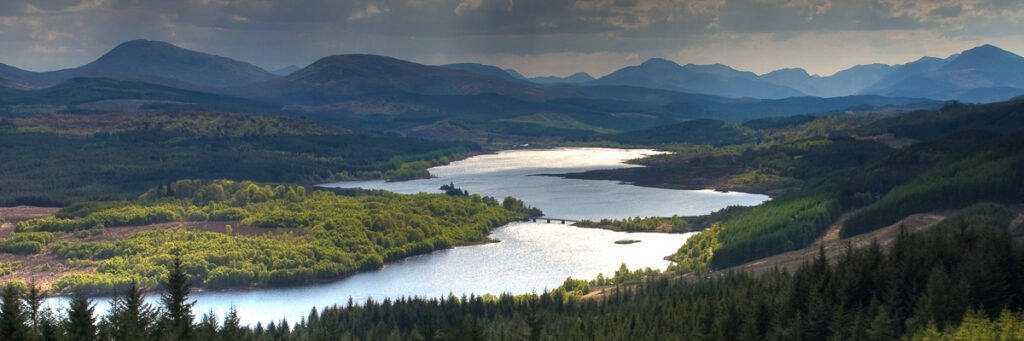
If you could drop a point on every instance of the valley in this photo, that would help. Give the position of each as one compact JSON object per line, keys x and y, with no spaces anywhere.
{"x":370,"y":197}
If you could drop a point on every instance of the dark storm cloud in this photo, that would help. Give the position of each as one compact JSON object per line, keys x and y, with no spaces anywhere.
{"x":52,"y":34}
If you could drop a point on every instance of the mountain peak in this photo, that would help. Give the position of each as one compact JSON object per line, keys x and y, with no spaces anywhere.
{"x":658,"y":63}
{"x":143,"y":43}
{"x":580,"y":75}
{"x":717,"y":68}
{"x":788,"y":72}
{"x":993,"y":60}
{"x":141,"y":47}
{"x":165,"y":63}
{"x":354,"y":57}
{"x":989,"y":52}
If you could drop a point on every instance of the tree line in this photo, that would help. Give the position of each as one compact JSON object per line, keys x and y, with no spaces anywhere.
{"x":674,"y":224}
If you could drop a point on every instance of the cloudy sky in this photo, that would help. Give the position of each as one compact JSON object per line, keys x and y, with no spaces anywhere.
{"x":536,"y":37}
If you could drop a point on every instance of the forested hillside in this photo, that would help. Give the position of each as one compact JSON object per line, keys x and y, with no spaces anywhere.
{"x":953,"y":170}
{"x":61,"y":159}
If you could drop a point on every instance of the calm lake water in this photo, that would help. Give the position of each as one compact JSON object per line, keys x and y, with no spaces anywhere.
{"x":529,"y":257}
{"x":516,"y":172}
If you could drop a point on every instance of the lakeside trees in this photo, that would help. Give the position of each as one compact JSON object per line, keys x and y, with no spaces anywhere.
{"x":674,"y":224}
{"x":318,"y":234}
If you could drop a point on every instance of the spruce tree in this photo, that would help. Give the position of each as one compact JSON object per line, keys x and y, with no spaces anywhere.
{"x":13,"y":319}
{"x":34,"y":297}
{"x":232,"y":328}
{"x":43,"y":321}
{"x":130,"y":317}
{"x":882,"y":326}
{"x":80,"y":324}
{"x":176,"y":319}
{"x":49,"y":326}
{"x":207,"y":327}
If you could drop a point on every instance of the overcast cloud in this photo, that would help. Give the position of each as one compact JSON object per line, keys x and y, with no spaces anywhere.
{"x":536,"y":37}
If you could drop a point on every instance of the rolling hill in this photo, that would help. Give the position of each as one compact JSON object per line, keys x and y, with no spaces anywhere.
{"x":340,"y":77}
{"x":158,"y":63}
{"x":105,"y":94}
{"x":717,"y":79}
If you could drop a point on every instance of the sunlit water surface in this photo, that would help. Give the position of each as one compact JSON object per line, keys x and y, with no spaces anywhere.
{"x":530,"y":257}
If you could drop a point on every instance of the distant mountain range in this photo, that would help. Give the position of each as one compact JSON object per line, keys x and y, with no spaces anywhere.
{"x":982,"y":74}
{"x":717,"y":79}
{"x":844,"y":83}
{"x":480,"y":101}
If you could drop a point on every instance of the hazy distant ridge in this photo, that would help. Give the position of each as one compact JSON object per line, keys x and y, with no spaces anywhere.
{"x":153,"y":62}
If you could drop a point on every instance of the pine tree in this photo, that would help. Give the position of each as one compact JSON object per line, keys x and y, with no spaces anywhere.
{"x":929,"y":332}
{"x":232,"y":328}
{"x":13,"y":319}
{"x":130,"y":317}
{"x":207,"y":327}
{"x":42,"y":320}
{"x":176,"y":319}
{"x":49,"y":326}
{"x":34,"y":297}
{"x":536,"y":324}
{"x":975,"y":326}
{"x":882,"y":326}
{"x":80,"y":324}
{"x":939,"y":304}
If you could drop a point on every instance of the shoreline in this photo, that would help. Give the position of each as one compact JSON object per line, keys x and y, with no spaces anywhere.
{"x":615,"y":228}
{"x":628,"y":176}
{"x":47,"y":277}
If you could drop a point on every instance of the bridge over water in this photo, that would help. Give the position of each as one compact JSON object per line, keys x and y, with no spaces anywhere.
{"x":552,"y":220}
